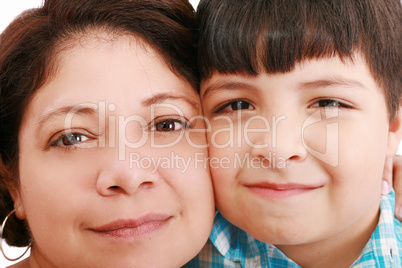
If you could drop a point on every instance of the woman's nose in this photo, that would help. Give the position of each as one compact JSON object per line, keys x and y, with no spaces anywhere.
{"x":123,"y":177}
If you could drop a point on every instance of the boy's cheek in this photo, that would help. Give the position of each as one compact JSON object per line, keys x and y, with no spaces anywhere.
{"x":221,"y":159}
{"x":221,"y":136}
{"x":321,"y":140}
{"x":224,"y":181}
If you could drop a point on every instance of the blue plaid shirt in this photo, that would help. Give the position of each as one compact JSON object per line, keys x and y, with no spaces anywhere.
{"x":230,"y":246}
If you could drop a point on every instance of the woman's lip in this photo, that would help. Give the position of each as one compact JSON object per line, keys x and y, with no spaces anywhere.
{"x":133,"y":228}
{"x":274,"y":190}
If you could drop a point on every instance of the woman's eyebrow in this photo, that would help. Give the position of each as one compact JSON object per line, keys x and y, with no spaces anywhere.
{"x":93,"y":109}
{"x":162,"y":97}
{"x":65,"y":111}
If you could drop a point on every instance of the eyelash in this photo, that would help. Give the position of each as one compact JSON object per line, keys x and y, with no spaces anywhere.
{"x":340,"y":104}
{"x":68,"y":135}
{"x":184,"y":124}
{"x":221,"y":109}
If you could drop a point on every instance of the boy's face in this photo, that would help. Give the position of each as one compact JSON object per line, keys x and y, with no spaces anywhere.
{"x":298,"y":157}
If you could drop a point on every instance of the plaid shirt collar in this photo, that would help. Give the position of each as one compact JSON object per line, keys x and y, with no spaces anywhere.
{"x":384,"y":249}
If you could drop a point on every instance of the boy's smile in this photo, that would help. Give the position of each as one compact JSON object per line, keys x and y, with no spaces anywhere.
{"x":326,"y":124}
{"x":274,"y":190}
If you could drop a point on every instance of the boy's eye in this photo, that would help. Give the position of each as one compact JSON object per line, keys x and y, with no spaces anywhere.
{"x":69,"y":140}
{"x":329,"y":103}
{"x":169,"y":125}
{"x":235,"y":105}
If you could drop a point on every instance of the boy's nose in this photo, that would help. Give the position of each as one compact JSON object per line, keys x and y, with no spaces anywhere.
{"x":284,"y":141}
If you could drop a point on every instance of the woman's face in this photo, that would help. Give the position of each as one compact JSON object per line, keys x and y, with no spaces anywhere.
{"x":112,"y":170}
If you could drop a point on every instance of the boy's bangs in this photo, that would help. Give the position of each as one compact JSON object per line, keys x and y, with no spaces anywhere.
{"x":273,"y":36}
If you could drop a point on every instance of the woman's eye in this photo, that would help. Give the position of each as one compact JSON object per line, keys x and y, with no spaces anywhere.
{"x":69,"y":139}
{"x":169,"y":125}
{"x":329,"y":103}
{"x":236,"y":105}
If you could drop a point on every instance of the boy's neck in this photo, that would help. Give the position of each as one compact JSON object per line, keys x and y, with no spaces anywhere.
{"x":339,"y":251}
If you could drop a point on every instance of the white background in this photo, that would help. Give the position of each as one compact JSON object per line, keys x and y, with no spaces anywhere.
{"x":8,"y":11}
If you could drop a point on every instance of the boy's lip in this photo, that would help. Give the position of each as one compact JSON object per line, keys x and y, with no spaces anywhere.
{"x":278,"y":190}
{"x":135,"y":228}
{"x":283,"y":186}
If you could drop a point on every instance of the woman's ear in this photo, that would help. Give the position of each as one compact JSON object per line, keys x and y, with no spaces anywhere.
{"x":18,"y":204}
{"x":10,"y":183}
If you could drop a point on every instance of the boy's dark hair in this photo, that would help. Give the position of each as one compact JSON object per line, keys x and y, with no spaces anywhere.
{"x":254,"y":36}
{"x":28,"y":58}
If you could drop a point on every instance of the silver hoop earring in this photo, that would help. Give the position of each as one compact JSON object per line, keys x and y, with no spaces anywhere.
{"x":1,"y":240}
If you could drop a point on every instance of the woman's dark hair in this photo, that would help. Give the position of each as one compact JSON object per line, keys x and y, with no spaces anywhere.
{"x":254,"y":36}
{"x":28,"y":58}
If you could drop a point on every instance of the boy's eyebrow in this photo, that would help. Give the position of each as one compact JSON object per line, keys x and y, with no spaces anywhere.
{"x":162,"y":97}
{"x":227,"y":85}
{"x":321,"y":83}
{"x":331,"y":81}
